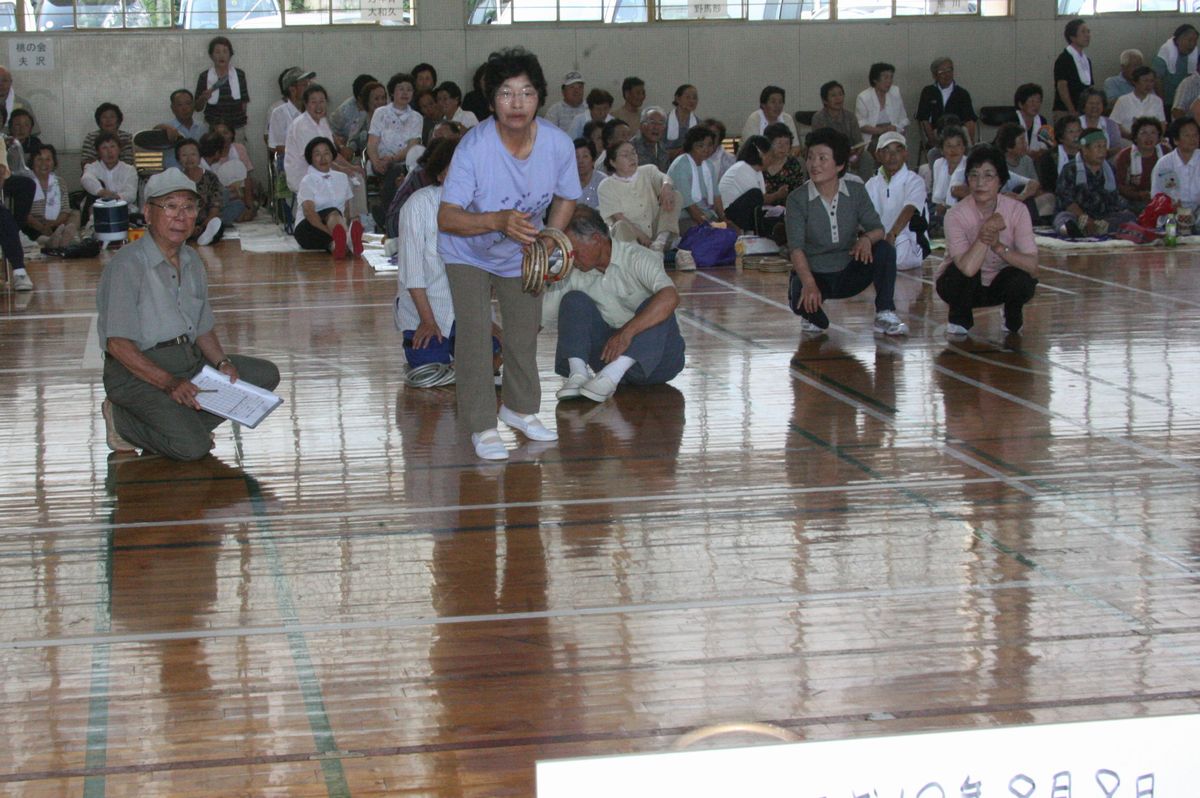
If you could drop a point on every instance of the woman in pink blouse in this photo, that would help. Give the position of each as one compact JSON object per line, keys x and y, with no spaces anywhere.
{"x":991,"y":256}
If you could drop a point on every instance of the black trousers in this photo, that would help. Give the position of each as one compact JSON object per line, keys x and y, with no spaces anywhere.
{"x":852,"y":281}
{"x":747,"y":212}
{"x":10,"y":238}
{"x":1012,"y":287}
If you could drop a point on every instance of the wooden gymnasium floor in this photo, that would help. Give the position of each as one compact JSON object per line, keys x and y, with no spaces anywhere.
{"x":849,"y":536}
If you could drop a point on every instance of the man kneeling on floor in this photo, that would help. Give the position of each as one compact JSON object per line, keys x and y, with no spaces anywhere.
{"x":156,"y":328}
{"x":616,"y":314}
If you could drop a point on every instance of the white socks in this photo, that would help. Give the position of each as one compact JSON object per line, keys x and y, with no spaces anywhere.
{"x":210,"y":232}
{"x":578,"y":366}
{"x":616,"y":369}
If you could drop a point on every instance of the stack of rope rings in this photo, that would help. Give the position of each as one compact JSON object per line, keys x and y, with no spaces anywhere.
{"x":535,"y":267}
{"x":430,"y":375}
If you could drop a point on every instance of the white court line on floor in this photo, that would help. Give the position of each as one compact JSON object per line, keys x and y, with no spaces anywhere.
{"x":1145,"y":451}
{"x":781,"y":600}
{"x":91,"y":358}
{"x":396,"y":512}
{"x":1123,"y":287}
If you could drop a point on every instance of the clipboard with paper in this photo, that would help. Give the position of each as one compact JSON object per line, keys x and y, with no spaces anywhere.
{"x":239,"y":401}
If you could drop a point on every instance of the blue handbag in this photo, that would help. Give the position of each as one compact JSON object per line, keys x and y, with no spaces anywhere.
{"x":710,"y":246}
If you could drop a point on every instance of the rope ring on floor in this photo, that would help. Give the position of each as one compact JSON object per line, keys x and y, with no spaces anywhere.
{"x":430,"y":375}
{"x":536,"y":269}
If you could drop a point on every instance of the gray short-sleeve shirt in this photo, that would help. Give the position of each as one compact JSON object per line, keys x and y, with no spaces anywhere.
{"x":811,"y":223}
{"x":144,"y":298}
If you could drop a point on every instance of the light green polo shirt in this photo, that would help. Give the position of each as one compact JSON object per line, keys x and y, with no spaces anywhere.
{"x":634,"y":274}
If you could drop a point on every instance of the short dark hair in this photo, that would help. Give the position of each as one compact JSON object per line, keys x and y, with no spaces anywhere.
{"x":19,"y":112}
{"x":834,"y":140}
{"x":424,"y":67}
{"x":279,"y":81}
{"x":610,"y":128}
{"x":764,"y":96}
{"x":631,"y":83}
{"x":587,"y":222}
{"x":953,"y":132}
{"x":610,"y":154}
{"x":752,"y":150}
{"x":512,"y":62}
{"x":1183,"y":30}
{"x":598,"y":97}
{"x":1007,"y":136}
{"x":313,"y":144}
{"x":590,"y":127}
{"x":829,"y":86}
{"x":778,"y":130}
{"x":105,"y":136}
{"x":179,"y":145}
{"x":362,"y":80}
{"x":695,"y":135}
{"x":680,"y":90}
{"x":716,"y":125}
{"x":1138,"y":124}
{"x":877,"y":69}
{"x":1087,"y":93}
{"x":1179,"y":124}
{"x":1025,"y":91}
{"x":364,"y":94}
{"x":437,"y":157}
{"x":1072,"y":29}
{"x":45,"y":147}
{"x":313,"y":88}
{"x":214,"y":41}
{"x":451,"y":88}
{"x":1141,"y":71}
{"x":180,"y":91}
{"x":1061,"y":124}
{"x":211,"y":145}
{"x":986,"y":153}
{"x":103,"y":108}
{"x":396,"y":80}
{"x":587,"y":145}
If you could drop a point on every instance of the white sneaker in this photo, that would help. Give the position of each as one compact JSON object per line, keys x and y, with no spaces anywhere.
{"x":21,"y":281}
{"x":599,"y":388}
{"x":808,"y":328}
{"x":571,"y":386}
{"x":210,"y":232}
{"x":684,"y":262}
{"x":888,"y":323}
{"x":956,"y":331}
{"x":489,"y":445}
{"x":529,"y":425}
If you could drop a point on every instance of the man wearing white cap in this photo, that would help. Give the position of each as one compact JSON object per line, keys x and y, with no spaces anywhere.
{"x":898,"y":195}
{"x":563,"y":113}
{"x":157,"y":331}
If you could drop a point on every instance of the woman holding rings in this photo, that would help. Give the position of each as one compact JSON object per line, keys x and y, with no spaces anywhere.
{"x":506,"y":173}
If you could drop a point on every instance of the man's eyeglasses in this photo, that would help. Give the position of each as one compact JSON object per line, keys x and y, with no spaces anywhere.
{"x":178,"y":209}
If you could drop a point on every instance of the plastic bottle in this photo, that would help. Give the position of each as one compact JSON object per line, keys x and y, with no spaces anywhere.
{"x":1171,"y":230}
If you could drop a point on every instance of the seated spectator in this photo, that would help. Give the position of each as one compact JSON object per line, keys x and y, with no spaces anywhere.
{"x":284,"y":98}
{"x":614,"y":131}
{"x":449,"y":98}
{"x":949,"y":173}
{"x":109,"y":177}
{"x":1072,"y":68}
{"x":616,"y":315}
{"x":562,"y":113}
{"x":425,"y":77}
{"x":836,"y":240}
{"x":323,"y":199}
{"x":721,"y":158}
{"x":783,"y":172}
{"x":1142,"y":101}
{"x":183,"y":122}
{"x":351,"y":115}
{"x":18,"y":164}
{"x":1022,"y":184}
{"x":695,"y":178}
{"x":589,"y":176}
{"x":633,"y":94}
{"x":238,"y":203}
{"x":770,"y":110}
{"x":424,"y":310}
{"x":443,"y":129}
{"x":1177,"y":174}
{"x":648,"y":141}
{"x":373,"y":97}
{"x":898,"y":195}
{"x":426,"y":104}
{"x":833,"y":114}
{"x":991,"y":255}
{"x":222,"y":91}
{"x":681,"y":119}
{"x":1135,"y":164}
{"x":742,"y":187}
{"x":20,"y":127}
{"x":295,"y":82}
{"x":1122,"y":82}
{"x":1052,"y":161}
{"x":1089,"y":203}
{"x":880,"y":108}
{"x":1176,"y":59}
{"x":1091,"y":106}
{"x":50,"y":222}
{"x":599,"y":103}
{"x":12,"y":102}
{"x":310,"y":125}
{"x":108,"y":120}
{"x":594,"y":133}
{"x":236,"y":148}
{"x":418,"y":177}
{"x":208,"y":227}
{"x":1028,"y":102}
{"x":944,"y":96}
{"x":394,"y":129}
{"x":476,"y":100}
{"x":638,"y":202}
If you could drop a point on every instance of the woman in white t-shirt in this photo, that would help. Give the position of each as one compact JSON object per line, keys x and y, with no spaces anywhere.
{"x":949,"y":179}
{"x":742,"y":187}
{"x":394,"y":129}
{"x":324,"y":199}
